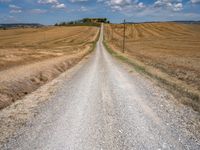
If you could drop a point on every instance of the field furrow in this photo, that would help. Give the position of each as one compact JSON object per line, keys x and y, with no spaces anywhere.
{"x":172,"y":48}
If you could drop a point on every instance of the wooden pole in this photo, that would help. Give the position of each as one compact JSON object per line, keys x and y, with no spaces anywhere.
{"x":123,"y":50}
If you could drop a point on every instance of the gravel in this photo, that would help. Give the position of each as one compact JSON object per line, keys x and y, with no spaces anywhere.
{"x":103,"y":105}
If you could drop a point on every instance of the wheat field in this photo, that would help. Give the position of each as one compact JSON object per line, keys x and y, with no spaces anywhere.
{"x":170,"y":47}
{"x":23,"y":46}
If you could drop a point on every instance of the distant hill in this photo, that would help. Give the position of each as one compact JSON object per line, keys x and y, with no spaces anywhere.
{"x":19,"y":25}
{"x":184,"y":22}
{"x":188,"y":22}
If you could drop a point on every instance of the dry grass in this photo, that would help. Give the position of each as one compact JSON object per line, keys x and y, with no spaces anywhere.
{"x":30,"y":58}
{"x":170,"y":48}
{"x":22,"y":46}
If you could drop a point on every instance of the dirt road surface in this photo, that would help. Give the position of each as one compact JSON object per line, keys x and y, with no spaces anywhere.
{"x":103,"y":106}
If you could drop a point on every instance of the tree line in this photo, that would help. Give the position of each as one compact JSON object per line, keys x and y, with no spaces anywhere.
{"x":85,"y":21}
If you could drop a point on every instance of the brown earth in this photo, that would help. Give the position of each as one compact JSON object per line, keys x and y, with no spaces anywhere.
{"x":31,"y":57}
{"x":171,"y":48}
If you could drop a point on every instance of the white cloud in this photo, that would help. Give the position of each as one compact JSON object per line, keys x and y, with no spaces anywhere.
{"x":38,"y":11}
{"x":174,"y":5}
{"x":5,"y":1}
{"x":15,"y":9}
{"x":124,"y":5}
{"x":83,"y":9}
{"x":74,"y":1}
{"x":163,"y":15}
{"x":178,"y":7}
{"x":54,"y":3}
{"x":159,"y":9}
{"x":116,"y":8}
{"x":48,"y":1}
{"x":59,"y":6}
{"x":141,"y":5}
{"x":195,"y":1}
{"x":120,"y":3}
{"x":14,"y":6}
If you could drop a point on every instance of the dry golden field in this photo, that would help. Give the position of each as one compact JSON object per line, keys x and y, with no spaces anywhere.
{"x":22,"y":46}
{"x":31,"y":57}
{"x":170,"y":47}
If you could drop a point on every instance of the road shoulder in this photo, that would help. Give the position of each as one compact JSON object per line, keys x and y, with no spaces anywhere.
{"x":15,"y":116}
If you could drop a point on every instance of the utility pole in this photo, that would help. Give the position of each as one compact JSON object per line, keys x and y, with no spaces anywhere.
{"x":113,"y":26}
{"x":123,"y":50}
{"x":112,"y":33}
{"x":132,"y":25}
{"x":44,"y":35}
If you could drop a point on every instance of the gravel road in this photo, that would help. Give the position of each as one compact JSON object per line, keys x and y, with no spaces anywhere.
{"x":105,"y":106}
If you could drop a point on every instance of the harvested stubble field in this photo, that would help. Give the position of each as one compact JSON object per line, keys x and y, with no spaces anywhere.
{"x":171,"y":50}
{"x":22,"y":46}
{"x":30,"y":57}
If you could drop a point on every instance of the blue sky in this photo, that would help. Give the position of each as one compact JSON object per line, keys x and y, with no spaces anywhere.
{"x":52,"y":11}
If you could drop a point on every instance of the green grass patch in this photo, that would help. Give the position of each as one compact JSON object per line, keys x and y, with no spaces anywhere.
{"x":193,"y":98}
{"x":124,"y":59}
